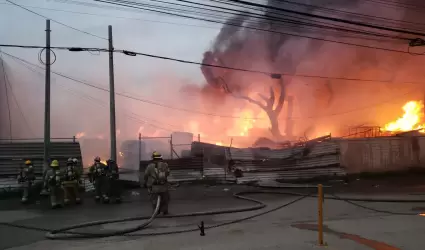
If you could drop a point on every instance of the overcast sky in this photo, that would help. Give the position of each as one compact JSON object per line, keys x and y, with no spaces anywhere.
{"x":151,"y":33}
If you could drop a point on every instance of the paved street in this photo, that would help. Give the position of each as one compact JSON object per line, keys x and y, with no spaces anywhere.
{"x":294,"y":227}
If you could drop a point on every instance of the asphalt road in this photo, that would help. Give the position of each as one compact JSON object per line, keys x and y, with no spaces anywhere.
{"x":293,"y":227}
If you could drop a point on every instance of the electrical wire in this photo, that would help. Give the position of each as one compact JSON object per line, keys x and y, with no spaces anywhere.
{"x":132,"y":53}
{"x":27,"y":124}
{"x":252,"y":15}
{"x":277,"y":19}
{"x":87,"y":33}
{"x":271,"y":74}
{"x":331,"y":18}
{"x":120,"y":17}
{"x":236,"y":117}
{"x":257,"y":29}
{"x":135,"y":98}
{"x":7,"y":96}
{"x":129,"y":18}
{"x":267,"y":16}
{"x":330,"y":10}
{"x":72,"y":49}
{"x":133,"y":116}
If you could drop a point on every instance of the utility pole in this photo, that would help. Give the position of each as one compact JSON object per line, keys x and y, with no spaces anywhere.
{"x":47,"y":101}
{"x":112,"y":96}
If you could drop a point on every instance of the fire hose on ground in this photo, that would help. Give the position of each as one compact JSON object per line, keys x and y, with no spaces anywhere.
{"x":65,"y":233}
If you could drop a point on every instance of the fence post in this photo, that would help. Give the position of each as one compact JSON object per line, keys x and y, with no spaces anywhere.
{"x":320,"y":213}
{"x":73,"y":139}
{"x":171,"y":146}
{"x":140,"y":148}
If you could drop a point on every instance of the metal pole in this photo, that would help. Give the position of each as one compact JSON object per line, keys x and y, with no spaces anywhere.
{"x":140,"y":148}
{"x":171,"y":146}
{"x":320,"y":214}
{"x":47,"y":101}
{"x":112,"y":97}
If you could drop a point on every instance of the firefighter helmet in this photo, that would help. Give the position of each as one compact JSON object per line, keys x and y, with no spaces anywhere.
{"x":54,"y":164}
{"x":97,"y":159}
{"x":69,"y":161}
{"x":156,"y":155}
{"x":28,"y":162}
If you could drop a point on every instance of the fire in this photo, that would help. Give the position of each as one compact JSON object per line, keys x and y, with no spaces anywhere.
{"x":411,"y":119}
{"x":242,"y":125}
{"x":219,"y":144}
{"x":79,"y":135}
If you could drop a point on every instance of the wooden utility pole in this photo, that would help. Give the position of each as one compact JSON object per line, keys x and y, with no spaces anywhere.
{"x":47,"y":101}
{"x":112,"y":97}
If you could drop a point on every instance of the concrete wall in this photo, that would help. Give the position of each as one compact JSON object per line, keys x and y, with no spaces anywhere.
{"x":382,"y":154}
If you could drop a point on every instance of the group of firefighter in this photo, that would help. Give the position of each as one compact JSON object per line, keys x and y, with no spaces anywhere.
{"x":63,"y":184}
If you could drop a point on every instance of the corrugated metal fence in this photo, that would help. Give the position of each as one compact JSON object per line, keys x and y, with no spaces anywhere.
{"x":304,"y":162}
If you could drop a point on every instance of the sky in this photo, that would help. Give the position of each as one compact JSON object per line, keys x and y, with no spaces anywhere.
{"x":138,"y":76}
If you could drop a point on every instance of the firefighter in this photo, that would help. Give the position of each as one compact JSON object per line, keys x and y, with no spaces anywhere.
{"x":80,"y":181}
{"x":53,"y":180}
{"x":114,"y":184}
{"x":26,"y":178}
{"x":156,"y":175}
{"x":70,"y":182}
{"x":98,"y":176}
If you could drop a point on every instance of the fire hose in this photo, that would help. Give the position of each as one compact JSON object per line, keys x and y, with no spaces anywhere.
{"x":63,"y":233}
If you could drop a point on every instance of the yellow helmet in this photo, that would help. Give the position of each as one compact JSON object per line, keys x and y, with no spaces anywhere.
{"x":156,"y":155}
{"x":28,"y":162}
{"x":54,"y":164}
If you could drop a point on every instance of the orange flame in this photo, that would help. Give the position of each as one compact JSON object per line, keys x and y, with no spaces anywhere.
{"x":411,"y":119}
{"x":79,"y":135}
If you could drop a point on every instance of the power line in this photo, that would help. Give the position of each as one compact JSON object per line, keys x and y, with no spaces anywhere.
{"x":258,"y":29}
{"x":132,"y":53}
{"x":330,"y":10}
{"x":330,"y":18}
{"x":135,"y":98}
{"x":15,"y":99}
{"x":7,"y":96}
{"x":100,"y":6}
{"x":72,"y":49}
{"x":191,"y":111}
{"x":251,"y":15}
{"x":119,"y":17}
{"x":80,"y":95}
{"x":274,"y":18}
{"x":82,"y":31}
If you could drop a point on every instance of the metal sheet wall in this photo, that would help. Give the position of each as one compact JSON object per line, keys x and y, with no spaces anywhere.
{"x":13,"y":155}
{"x":382,"y":154}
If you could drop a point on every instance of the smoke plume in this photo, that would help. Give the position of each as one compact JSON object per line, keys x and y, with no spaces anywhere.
{"x":323,"y":105}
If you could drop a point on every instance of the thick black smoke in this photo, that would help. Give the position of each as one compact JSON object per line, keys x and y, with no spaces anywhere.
{"x":245,"y":48}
